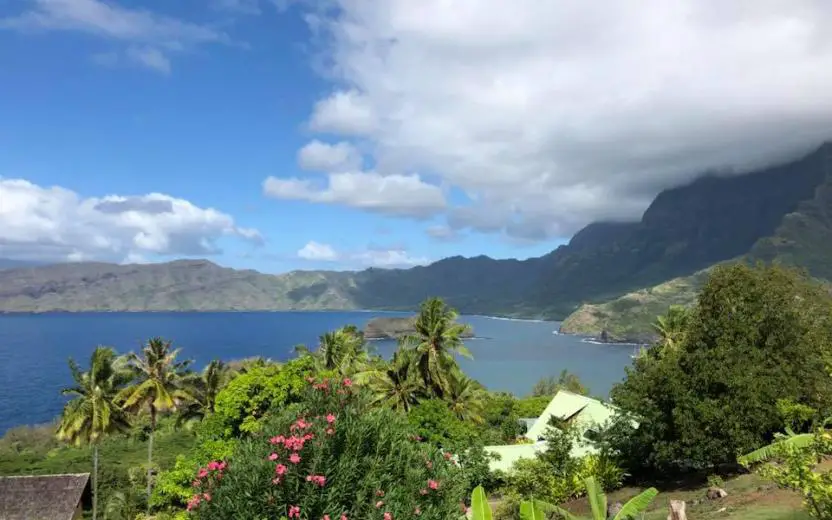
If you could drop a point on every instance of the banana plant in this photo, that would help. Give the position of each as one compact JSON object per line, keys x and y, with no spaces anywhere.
{"x":538,"y":510}
{"x":598,"y":503}
{"x":480,"y":509}
{"x":789,"y":440}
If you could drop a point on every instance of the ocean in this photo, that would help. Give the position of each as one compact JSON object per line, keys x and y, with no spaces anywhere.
{"x":509,"y":355}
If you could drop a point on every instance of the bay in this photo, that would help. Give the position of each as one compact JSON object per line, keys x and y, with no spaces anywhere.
{"x":509,"y":355}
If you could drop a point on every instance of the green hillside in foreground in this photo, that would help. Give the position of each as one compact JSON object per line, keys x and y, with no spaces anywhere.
{"x":778,"y":213}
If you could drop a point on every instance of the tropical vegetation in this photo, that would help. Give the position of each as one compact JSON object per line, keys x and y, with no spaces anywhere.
{"x":341,"y":431}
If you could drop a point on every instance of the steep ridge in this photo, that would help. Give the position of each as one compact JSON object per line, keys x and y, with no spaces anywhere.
{"x":778,"y":213}
{"x":802,"y":238}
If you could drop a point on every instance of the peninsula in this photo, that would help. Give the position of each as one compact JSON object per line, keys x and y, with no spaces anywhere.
{"x":397,"y":327}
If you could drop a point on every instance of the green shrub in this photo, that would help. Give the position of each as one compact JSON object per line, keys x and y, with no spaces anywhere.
{"x":436,"y":424}
{"x":333,"y":456}
{"x":604,"y":469}
{"x":247,"y":398}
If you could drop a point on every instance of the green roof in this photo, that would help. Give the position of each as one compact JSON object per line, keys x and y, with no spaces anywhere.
{"x":583,"y":412}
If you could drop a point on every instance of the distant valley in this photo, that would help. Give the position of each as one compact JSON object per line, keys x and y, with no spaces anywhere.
{"x":612,"y":277}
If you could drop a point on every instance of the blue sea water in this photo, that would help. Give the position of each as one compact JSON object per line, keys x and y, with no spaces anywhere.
{"x":509,"y":355}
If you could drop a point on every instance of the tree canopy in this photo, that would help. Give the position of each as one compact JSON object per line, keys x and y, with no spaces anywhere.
{"x":756,"y":336}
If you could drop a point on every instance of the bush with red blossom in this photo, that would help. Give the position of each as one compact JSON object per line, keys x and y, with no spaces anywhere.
{"x":333,"y":457}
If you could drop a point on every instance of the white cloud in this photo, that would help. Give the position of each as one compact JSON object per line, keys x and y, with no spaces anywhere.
{"x":404,"y":195}
{"x":324,"y":157}
{"x":372,"y":256}
{"x":317,"y":251}
{"x":149,"y":36}
{"x":389,"y":258}
{"x":150,"y":57}
{"x":344,"y":112}
{"x":54,"y":224}
{"x":549,"y":115}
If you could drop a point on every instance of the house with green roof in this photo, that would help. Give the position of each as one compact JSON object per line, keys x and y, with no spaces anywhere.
{"x":579,"y":411}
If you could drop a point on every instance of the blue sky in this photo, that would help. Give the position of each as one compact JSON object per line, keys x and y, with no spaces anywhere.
{"x":281,"y":135}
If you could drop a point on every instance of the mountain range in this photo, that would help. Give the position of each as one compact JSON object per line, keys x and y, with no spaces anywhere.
{"x":610,"y":277}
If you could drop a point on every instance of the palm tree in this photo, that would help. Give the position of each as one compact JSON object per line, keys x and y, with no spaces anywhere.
{"x":393,"y":384}
{"x":465,"y":396}
{"x":342,"y":350}
{"x":93,"y":413}
{"x":671,"y":327}
{"x":159,"y":385}
{"x":438,"y":337}
{"x":205,"y":388}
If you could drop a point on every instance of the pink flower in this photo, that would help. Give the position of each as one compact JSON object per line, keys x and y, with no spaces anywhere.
{"x":207,"y":497}
{"x":294,"y":512}
{"x":343,"y":516}
{"x":212,"y":466}
{"x":447,"y":455}
{"x":280,"y":469}
{"x":379,"y":504}
{"x":193,"y":502}
{"x":319,"y":480}
{"x":273,"y":456}
{"x":417,"y":511}
{"x":423,"y":491}
{"x":379,"y":493}
{"x":330,"y":431}
{"x":294,"y":458}
{"x":277,"y":439}
{"x":326,"y":517}
{"x":330,"y":418}
{"x":276,"y":480}
{"x":202,"y":473}
{"x":429,"y":464}
{"x":310,"y":379}
{"x":195,"y":483}
{"x":222,"y":465}
{"x":347,"y":382}
{"x":388,"y":516}
{"x":433,"y":484}
{"x":308,"y":436}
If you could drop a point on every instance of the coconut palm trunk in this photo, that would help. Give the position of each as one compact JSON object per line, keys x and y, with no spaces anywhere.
{"x":150,"y":454}
{"x":94,"y":481}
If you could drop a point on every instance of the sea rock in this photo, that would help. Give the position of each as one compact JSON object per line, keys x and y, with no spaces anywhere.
{"x":715,"y":493}
{"x":396,"y":327}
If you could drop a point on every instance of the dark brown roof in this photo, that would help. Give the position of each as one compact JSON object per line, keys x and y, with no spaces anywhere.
{"x":46,"y":497}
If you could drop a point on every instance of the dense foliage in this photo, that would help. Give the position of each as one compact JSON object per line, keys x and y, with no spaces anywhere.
{"x":757,"y":336}
{"x":331,"y":455}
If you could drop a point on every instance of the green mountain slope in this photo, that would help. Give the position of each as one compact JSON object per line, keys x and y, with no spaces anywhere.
{"x":803,"y":238}
{"x":181,"y":285}
{"x":777,"y":213}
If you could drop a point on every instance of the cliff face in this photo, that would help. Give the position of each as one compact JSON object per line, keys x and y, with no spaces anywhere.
{"x":794,"y":228}
{"x":781,"y":213}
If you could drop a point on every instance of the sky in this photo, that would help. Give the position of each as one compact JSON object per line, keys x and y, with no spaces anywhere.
{"x":344,"y":134}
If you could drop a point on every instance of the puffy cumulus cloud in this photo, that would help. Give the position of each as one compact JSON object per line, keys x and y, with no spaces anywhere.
{"x":344,"y":112}
{"x":372,"y":256}
{"x":55,"y":224}
{"x":324,"y":157}
{"x":149,"y":36}
{"x":549,"y":115}
{"x":317,"y":251}
{"x":403,"y":195}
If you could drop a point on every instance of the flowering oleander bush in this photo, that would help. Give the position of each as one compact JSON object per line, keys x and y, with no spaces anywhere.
{"x":332,"y":457}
